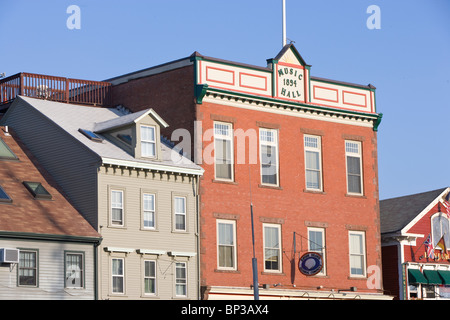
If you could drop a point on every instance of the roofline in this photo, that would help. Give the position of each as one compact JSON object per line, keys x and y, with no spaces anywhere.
{"x":152,"y":166}
{"x":425,"y":211}
{"x":49,"y":237}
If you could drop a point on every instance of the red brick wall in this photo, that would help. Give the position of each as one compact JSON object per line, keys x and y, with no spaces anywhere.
{"x":390,"y":261}
{"x":291,"y":204}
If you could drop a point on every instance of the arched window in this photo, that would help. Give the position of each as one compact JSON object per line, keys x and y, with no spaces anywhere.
{"x":440,"y":226}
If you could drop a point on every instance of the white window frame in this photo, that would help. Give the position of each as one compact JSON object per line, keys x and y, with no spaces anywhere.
{"x":152,"y":142}
{"x":229,"y":137}
{"x":234,"y":246}
{"x":182,"y":214}
{"x":274,"y":143}
{"x":354,"y":155}
{"x":113,"y":276}
{"x":67,"y":269}
{"x":318,"y":150}
{"x":279,"y":248}
{"x":358,"y":254}
{"x":151,"y":277}
{"x":185,"y":280}
{"x":35,"y":268}
{"x":322,"y":251}
{"x":148,"y":211}
{"x":115,"y":205}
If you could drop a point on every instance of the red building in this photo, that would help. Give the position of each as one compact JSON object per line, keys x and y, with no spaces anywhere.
{"x":415,"y":233}
{"x":302,"y":150}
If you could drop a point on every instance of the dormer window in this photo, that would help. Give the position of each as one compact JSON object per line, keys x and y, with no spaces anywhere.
{"x":5,"y":152}
{"x":37,"y":190}
{"x":148,"y":141}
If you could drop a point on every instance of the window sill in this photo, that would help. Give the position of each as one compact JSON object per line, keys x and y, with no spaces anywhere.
{"x":273,"y":273}
{"x":350,"y":195}
{"x":227,"y":271}
{"x":224,"y":181}
{"x":270,"y":186}
{"x":314,"y":191}
{"x":357,"y":278}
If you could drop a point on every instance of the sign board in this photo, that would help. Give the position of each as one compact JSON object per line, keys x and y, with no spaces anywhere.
{"x":310,"y":263}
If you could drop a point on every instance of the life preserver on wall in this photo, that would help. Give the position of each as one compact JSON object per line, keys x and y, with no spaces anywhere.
{"x":310,"y":263}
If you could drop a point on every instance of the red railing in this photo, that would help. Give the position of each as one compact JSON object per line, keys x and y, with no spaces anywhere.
{"x":55,"y":89}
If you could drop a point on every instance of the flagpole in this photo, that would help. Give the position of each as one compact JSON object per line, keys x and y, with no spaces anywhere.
{"x":284,"y":22}
{"x":254,"y":261}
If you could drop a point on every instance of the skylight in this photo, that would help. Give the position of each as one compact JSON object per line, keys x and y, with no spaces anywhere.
{"x":5,"y":152}
{"x":37,"y":190}
{"x":91,"y":135}
{"x":3,"y":196}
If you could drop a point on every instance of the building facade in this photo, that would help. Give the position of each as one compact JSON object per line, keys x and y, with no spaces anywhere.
{"x":48,"y":250}
{"x":291,"y":173}
{"x":415,"y":237}
{"x":133,"y":188}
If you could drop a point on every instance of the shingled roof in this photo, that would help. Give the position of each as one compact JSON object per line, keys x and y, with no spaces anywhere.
{"x":27,"y":216}
{"x":396,"y":213}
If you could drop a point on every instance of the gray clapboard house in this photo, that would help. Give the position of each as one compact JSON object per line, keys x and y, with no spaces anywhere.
{"x":136,"y":191}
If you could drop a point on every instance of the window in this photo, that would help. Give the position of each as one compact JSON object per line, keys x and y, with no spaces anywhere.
{"x":180,"y":279}
{"x":316,"y":243}
{"x":118,"y":275}
{"x":149,"y":210}
{"x":357,"y":253}
{"x":313,"y":162}
{"x":117,"y":207}
{"x":354,"y":165}
{"x":37,"y":190}
{"x":150,"y":277}
{"x":180,"y":213}
{"x":440,"y":228}
{"x":223,"y":146}
{"x":74,"y":270}
{"x":148,"y":141}
{"x":91,"y":135}
{"x":226,"y":244}
{"x":5,"y":152}
{"x":272,"y":247}
{"x":28,"y":268}
{"x":268,"y":143}
{"x":4,"y":196}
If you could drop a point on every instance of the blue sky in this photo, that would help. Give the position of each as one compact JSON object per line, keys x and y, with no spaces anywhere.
{"x":408,"y":59}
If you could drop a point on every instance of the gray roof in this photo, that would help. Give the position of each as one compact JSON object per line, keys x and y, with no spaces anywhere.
{"x":72,"y":117}
{"x":396,"y":213}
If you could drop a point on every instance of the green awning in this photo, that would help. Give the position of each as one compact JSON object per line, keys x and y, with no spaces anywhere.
{"x":445,"y":275}
{"x":432,"y":276}
{"x":416,"y":277}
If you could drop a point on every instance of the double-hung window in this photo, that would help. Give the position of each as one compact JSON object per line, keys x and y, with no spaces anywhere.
{"x":74,"y":270}
{"x":226,"y":244}
{"x":118,"y":275}
{"x":180,"y":213}
{"x":223,"y":150}
{"x":357,"y":249}
{"x":28,"y":268}
{"x":148,"y":141}
{"x":150,"y":277}
{"x":272,"y":247}
{"x":149,"y":210}
{"x":117,"y":207}
{"x":313,"y":162}
{"x":316,"y":243}
{"x":180,"y":279}
{"x":353,"y":155}
{"x":268,"y":144}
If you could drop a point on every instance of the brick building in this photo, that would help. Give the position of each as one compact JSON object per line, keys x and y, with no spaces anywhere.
{"x":302,"y":150}
{"x":415,"y":237}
